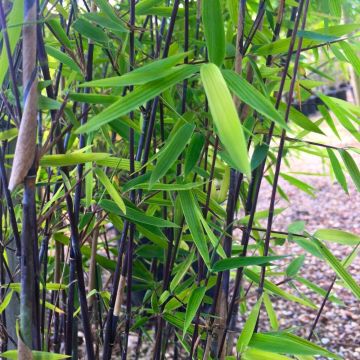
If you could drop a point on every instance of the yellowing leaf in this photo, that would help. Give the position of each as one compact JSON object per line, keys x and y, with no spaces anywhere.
{"x":225,"y":117}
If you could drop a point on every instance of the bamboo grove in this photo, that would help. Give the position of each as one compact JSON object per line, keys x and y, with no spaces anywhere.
{"x":135,"y":140}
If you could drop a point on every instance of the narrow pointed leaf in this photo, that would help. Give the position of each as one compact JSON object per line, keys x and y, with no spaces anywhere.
{"x":351,"y":55}
{"x":193,"y":152}
{"x":351,"y":167}
{"x":5,"y":301}
{"x":295,"y":266}
{"x":136,"y":98}
{"x":181,"y":271}
{"x":71,"y":159}
{"x":225,"y":117}
{"x":142,"y":75}
{"x":256,"y":354}
{"x":189,"y":206}
{"x":242,"y":261}
{"x":254,"y":98}
{"x":171,"y":151}
{"x":249,"y":327}
{"x":337,"y":236}
{"x":14,"y":21}
{"x":193,"y":305}
{"x":270,"y":286}
{"x":63,"y":58}
{"x":270,"y":311}
{"x":36,"y":355}
{"x":110,"y":188}
{"x":338,"y":268}
{"x":214,"y":30}
{"x":287,"y":343}
{"x":135,"y":215}
{"x":339,"y":174}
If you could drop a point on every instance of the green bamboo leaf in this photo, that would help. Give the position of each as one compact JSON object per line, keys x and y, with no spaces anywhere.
{"x":215,"y":242}
{"x":326,"y":115}
{"x":71,"y":159}
{"x":256,"y":354}
{"x":135,"y":215}
{"x":189,"y":206}
{"x":254,"y":98}
{"x":282,"y":46}
{"x":45,"y":103}
{"x":192,"y":307}
{"x":337,"y":236}
{"x":136,"y":98}
{"x":99,"y":19}
{"x":319,"y":290}
{"x":89,"y":184}
{"x":351,"y":168}
{"x":249,"y":327}
{"x":8,"y":134}
{"x":294,"y":267}
{"x":63,"y":58}
{"x":225,"y":117}
{"x":181,"y":271}
{"x":118,"y":163}
{"x":93,"y":98}
{"x":6,"y":301}
{"x":166,"y":187}
{"x":270,"y":311}
{"x":36,"y":355}
{"x":154,"y":234}
{"x":52,"y":307}
{"x":300,"y":119}
{"x":308,"y":246}
{"x":214,"y":30}
{"x":233,"y":6}
{"x":270,"y":286}
{"x":60,"y":34}
{"x":339,"y":174}
{"x":313,"y":35}
{"x":341,"y":115}
{"x":338,"y":268}
{"x":335,"y":48}
{"x":260,"y":215}
{"x":91,"y":31}
{"x":348,"y":106}
{"x":287,"y":343}
{"x":241,"y":261}
{"x":351,"y":55}
{"x":110,"y":188}
{"x":14,"y":26}
{"x":214,"y":206}
{"x":107,"y":9}
{"x":335,"y":8}
{"x":259,"y":155}
{"x":142,"y":75}
{"x":164,"y":11}
{"x":299,"y":184}
{"x":170,"y":152}
{"x":143,"y":6}
{"x":193,"y":152}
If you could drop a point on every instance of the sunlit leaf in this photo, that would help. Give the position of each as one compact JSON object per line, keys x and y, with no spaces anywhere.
{"x":225,"y":117}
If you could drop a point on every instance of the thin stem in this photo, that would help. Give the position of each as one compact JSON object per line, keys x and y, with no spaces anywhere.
{"x":282,"y":142}
{"x":317,"y":318}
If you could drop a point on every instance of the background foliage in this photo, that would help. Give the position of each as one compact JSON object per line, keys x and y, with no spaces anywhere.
{"x":157,"y":122}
